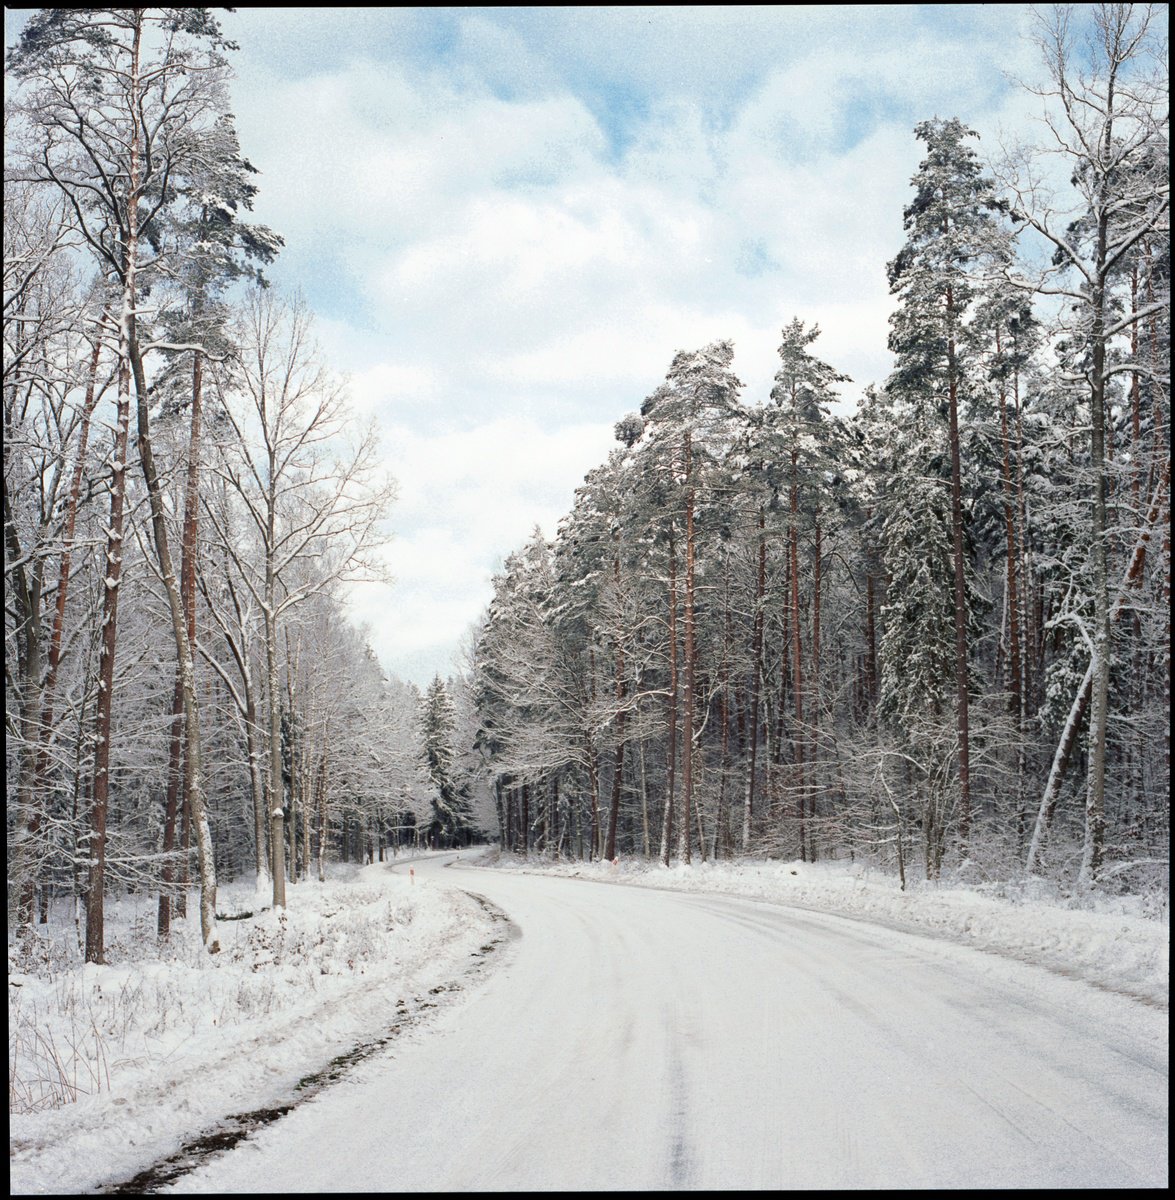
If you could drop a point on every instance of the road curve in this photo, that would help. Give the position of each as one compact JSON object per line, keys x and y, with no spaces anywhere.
{"x":638,"y":1039}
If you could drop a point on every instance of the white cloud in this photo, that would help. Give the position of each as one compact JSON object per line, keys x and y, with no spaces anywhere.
{"x":466,"y":499}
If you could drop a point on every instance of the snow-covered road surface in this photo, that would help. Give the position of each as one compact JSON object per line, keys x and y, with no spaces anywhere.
{"x":638,"y":1039}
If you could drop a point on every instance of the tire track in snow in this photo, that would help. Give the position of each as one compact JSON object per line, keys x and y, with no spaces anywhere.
{"x":680,"y":1166}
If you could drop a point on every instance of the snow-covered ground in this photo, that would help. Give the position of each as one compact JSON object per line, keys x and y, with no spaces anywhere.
{"x":149,"y":1052}
{"x":1121,"y":943}
{"x":113,"y":1068}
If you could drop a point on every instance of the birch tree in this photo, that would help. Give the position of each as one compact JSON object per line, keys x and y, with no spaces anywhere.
{"x":311,"y":494}
{"x":1105,"y":109}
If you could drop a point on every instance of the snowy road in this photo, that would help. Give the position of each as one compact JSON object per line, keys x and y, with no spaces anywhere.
{"x":642,"y":1039}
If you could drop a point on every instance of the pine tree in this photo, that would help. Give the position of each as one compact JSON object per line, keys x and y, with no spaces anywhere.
{"x":952,"y":231}
{"x":689,"y":422}
{"x":802,"y":430}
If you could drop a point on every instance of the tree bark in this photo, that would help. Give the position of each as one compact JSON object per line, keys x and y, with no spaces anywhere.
{"x":183,"y":627}
{"x":814,"y":706}
{"x":100,"y":794}
{"x":962,"y":686}
{"x":49,"y":689}
{"x":687,"y":716}
{"x":797,"y":663}
{"x":618,"y":759}
{"x":1095,"y":800}
{"x":756,"y":679}
{"x":671,"y":764}
{"x":100,"y":790}
{"x":188,"y":594}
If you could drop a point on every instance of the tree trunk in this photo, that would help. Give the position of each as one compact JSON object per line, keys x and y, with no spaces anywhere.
{"x":1095,"y":800}
{"x":100,"y":798}
{"x":1012,"y":559}
{"x":962,"y":686}
{"x":797,"y":665}
{"x":171,"y":806}
{"x":307,"y":811}
{"x":871,"y":674}
{"x":667,"y":823}
{"x":756,"y":679}
{"x":100,"y":791}
{"x":814,"y":707}
{"x":188,"y":593}
{"x":49,"y":690}
{"x":526,"y":816}
{"x":647,"y":840}
{"x":1085,"y":691}
{"x":295,"y":740}
{"x":277,"y":832}
{"x":724,"y":717}
{"x":687,"y":716}
{"x":183,"y":628}
{"x":618,"y":760}
{"x":26,"y":605}
{"x":1029,"y":665}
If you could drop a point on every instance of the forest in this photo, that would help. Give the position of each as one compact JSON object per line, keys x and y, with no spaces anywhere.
{"x":932,"y":633}
{"x":929,"y":630}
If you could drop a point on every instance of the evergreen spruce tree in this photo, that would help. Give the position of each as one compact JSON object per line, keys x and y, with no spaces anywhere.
{"x":450,"y":824}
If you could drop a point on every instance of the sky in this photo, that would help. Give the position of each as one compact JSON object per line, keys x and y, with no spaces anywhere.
{"x":508,"y":221}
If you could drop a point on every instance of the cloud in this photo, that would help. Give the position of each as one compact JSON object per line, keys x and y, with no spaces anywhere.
{"x":518,"y":284}
{"x":467,"y":498}
{"x":487,"y":224}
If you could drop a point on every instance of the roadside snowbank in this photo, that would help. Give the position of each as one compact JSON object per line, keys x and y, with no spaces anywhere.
{"x":1118,"y":943}
{"x":114,"y":1067}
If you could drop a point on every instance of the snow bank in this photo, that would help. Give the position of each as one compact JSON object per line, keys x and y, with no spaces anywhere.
{"x":113,"y":1067}
{"x":1118,"y":943}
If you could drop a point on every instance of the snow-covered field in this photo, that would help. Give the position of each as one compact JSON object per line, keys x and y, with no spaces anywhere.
{"x":112,"y":1068}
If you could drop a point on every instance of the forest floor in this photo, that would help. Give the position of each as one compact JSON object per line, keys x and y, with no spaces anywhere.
{"x":114,"y":1068}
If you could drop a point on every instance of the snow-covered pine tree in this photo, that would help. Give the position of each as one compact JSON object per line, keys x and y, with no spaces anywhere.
{"x":952,"y":233}
{"x":450,"y":823}
{"x":916,"y":650}
{"x":802,"y":433}
{"x":689,"y":420}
